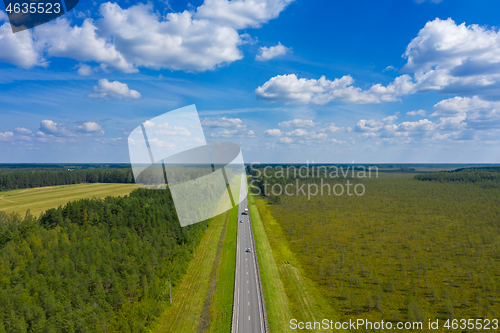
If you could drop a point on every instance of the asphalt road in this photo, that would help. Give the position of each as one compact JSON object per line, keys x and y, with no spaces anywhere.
{"x":248,"y":306}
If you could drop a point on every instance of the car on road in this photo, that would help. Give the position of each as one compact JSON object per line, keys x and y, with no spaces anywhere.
{"x":249,"y":250}
{"x":241,"y":221}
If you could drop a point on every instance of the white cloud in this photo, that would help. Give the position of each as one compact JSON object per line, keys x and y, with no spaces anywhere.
{"x":297,"y":132}
{"x":222,"y":122}
{"x":251,"y":134}
{"x":472,"y":112}
{"x":85,"y":70}
{"x":241,"y":14}
{"x":273,"y":132}
{"x":19,"y":49}
{"x":22,"y":130}
{"x":6,"y":136}
{"x":89,"y":128}
{"x":291,"y":90}
{"x":455,"y":58}
{"x":421,"y":125}
{"x":267,"y":53}
{"x":155,"y":142}
{"x":298,"y":123}
{"x":389,"y":68}
{"x":335,"y":129}
{"x":108,"y":90}
{"x":128,"y":38}
{"x":443,"y":57}
{"x":167,"y":129}
{"x":49,"y":129}
{"x":416,"y":113}
{"x":225,"y":134}
{"x":286,"y":140}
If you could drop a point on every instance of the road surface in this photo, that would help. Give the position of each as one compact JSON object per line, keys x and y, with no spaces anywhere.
{"x":248,"y":304}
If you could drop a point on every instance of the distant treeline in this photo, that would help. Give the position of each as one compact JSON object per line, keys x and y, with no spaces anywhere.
{"x":92,"y":265}
{"x":486,"y":175}
{"x":29,"y":179}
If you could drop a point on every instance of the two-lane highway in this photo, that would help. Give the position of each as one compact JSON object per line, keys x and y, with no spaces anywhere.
{"x":248,"y":306}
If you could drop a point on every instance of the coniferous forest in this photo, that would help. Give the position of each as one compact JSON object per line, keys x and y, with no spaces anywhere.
{"x":92,"y":265}
{"x":18,"y":179}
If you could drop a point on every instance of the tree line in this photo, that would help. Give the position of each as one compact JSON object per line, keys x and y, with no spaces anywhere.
{"x":93,"y":265}
{"x":486,"y":176}
{"x":29,"y":179}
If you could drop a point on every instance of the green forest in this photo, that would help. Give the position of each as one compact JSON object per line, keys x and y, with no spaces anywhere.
{"x":19,"y":179}
{"x":408,"y":249}
{"x":92,"y":265}
{"x":485,"y":176}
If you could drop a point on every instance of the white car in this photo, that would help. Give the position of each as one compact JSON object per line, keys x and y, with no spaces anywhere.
{"x":249,"y":250}
{"x":241,"y":221}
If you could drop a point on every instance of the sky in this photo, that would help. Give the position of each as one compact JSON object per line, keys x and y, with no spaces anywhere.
{"x":393,"y":81}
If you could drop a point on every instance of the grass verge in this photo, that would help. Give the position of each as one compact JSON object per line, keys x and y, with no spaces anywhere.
{"x":38,"y":200}
{"x":221,"y":308}
{"x":277,"y":305}
{"x":189,"y":298}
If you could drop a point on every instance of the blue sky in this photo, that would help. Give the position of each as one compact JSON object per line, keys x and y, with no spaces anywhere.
{"x":289,"y":81}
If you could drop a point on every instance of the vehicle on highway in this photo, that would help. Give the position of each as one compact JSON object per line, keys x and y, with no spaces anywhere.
{"x":241,"y":221}
{"x":249,"y":250}
{"x":246,"y":211}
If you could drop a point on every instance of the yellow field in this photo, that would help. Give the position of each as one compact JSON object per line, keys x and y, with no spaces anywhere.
{"x":37,"y":200}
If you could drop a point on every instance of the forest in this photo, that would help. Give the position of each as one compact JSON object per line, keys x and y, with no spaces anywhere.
{"x":407,"y":249}
{"x":19,"y":179}
{"x":485,"y":176}
{"x":92,"y":265}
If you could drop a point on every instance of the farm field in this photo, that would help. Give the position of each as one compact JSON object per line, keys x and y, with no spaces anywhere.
{"x":406,"y":250}
{"x":42,"y":198}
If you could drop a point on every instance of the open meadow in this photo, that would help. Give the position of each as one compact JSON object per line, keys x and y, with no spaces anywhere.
{"x":37,"y":200}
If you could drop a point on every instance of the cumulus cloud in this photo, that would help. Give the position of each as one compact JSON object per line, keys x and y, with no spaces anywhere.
{"x":251,"y":134}
{"x":298,"y":123}
{"x":89,"y":128}
{"x":22,"y":130}
{"x":85,"y":70}
{"x":109,"y":90}
{"x":49,"y":128}
{"x":297,"y":132}
{"x":167,"y":129}
{"x":273,"y":132}
{"x":286,"y":140}
{"x":240,"y":14}
{"x":454,"y":58}
{"x":267,"y":53}
{"x":19,"y":49}
{"x":444,"y":57}
{"x":6,"y":136}
{"x":222,"y":122}
{"x":458,"y":112}
{"x":290,"y":89}
{"x":225,"y":134}
{"x":126,"y":39}
{"x":416,"y":113}
{"x":335,"y":129}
